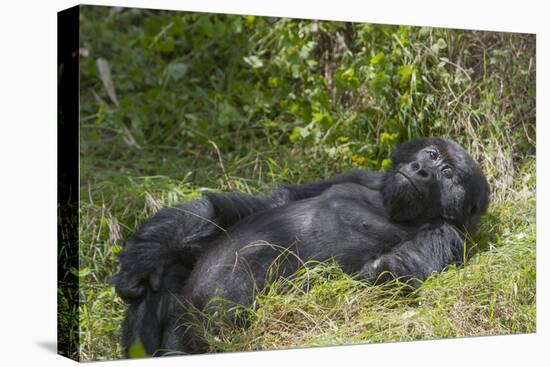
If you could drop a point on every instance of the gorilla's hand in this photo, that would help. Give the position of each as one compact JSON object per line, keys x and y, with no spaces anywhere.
{"x":413,"y":261}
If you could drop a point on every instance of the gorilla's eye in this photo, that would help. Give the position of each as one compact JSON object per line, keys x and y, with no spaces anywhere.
{"x":432,"y":155}
{"x":447,"y":172}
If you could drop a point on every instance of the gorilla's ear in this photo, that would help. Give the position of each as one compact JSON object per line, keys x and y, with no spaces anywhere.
{"x":487,"y":196}
{"x":478,"y":200}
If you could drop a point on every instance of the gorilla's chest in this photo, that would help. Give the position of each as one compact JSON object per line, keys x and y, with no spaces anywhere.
{"x":348,"y":231}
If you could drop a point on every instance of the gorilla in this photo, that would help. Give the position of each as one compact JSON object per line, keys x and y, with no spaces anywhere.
{"x":405,"y":223}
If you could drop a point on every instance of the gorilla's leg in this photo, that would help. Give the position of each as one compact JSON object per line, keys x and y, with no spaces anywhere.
{"x":155,"y":263}
{"x":170,"y":321}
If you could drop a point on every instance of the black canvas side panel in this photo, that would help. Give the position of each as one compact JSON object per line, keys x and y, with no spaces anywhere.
{"x":67,"y":181}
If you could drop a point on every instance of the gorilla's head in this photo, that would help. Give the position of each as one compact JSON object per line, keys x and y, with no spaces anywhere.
{"x":435,"y":178}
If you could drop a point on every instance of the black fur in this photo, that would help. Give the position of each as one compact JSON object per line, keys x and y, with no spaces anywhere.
{"x":406,"y":223}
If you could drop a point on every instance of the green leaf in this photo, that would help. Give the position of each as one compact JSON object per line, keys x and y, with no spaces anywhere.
{"x":137,"y":350}
{"x":304,"y":52}
{"x":295,"y":135}
{"x":100,"y":115}
{"x":386,"y":163}
{"x":378,"y":58}
{"x":296,"y":72}
{"x":250,"y":20}
{"x":405,"y":72}
{"x":379,"y":81}
{"x":425,"y":31}
{"x":166,"y":45}
{"x":274,"y":82}
{"x":117,"y":249}
{"x":80,"y":272}
{"x":386,"y":138}
{"x":323,"y":119}
{"x":439,"y":45}
{"x":347,"y":78}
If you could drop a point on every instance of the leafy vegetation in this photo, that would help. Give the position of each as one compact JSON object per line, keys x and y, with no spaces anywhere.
{"x":182,"y":102}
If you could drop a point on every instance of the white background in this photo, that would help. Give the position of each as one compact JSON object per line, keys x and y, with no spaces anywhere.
{"x":28,"y":181}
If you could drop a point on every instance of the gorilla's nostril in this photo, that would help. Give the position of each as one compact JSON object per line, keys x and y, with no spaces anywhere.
{"x":422,"y":173}
{"x":415,"y":166}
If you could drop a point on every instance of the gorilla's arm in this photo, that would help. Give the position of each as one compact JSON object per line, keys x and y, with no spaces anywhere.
{"x":178,"y":235}
{"x":431,"y":250}
{"x":372,"y":180}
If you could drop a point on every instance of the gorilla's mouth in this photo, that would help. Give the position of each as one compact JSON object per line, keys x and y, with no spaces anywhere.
{"x":410,"y":181}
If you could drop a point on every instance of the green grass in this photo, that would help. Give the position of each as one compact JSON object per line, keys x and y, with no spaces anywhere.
{"x":297,"y":101}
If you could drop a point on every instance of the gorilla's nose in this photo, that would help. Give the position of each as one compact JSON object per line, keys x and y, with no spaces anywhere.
{"x":419,"y":172}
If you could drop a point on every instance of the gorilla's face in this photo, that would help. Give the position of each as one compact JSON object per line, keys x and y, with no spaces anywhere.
{"x":434,"y":178}
{"x":411,"y":188}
